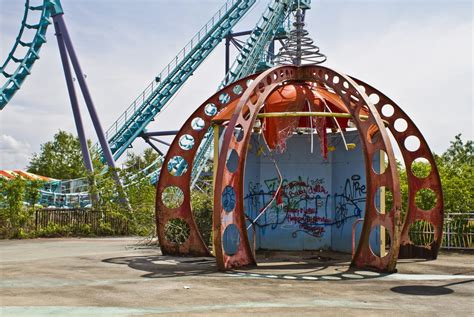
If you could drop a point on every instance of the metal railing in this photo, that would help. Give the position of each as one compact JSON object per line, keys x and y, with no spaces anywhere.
{"x":75,"y":192}
{"x":255,"y":45}
{"x":150,"y":90}
{"x":458,"y":231}
{"x":78,"y":217}
{"x":254,"y":48}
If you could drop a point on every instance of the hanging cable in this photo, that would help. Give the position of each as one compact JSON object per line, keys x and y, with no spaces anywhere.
{"x":277,"y":192}
{"x":335,"y":121}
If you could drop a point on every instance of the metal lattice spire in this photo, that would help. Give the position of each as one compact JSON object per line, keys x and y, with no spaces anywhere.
{"x":299,"y":49}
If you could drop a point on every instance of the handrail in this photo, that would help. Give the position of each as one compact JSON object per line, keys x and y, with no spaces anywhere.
{"x":265,"y":22}
{"x":151,"y":90}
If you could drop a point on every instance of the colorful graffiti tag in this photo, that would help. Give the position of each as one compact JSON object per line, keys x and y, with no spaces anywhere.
{"x":305,"y":205}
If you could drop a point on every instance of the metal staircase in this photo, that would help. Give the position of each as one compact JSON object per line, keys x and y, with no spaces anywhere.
{"x":254,"y":50}
{"x":159,"y":92}
{"x":251,"y":56}
{"x":155,"y":96}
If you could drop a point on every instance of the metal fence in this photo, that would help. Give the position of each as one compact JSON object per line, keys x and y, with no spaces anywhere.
{"x":458,"y":231}
{"x":79,"y":217}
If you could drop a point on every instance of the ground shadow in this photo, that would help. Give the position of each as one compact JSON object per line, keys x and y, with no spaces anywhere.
{"x":427,"y":290}
{"x":285,"y":265}
{"x":160,"y":266}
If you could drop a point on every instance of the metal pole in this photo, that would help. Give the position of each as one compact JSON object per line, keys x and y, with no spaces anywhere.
{"x":85,"y":91}
{"x":147,"y":140}
{"x":90,"y":105}
{"x":236,"y":44}
{"x":271,"y":51}
{"x":298,"y":24}
{"x":160,"y":141}
{"x":73,"y":98}
{"x":159,"y":133}
{"x":448,"y":222}
{"x":214,"y":163}
{"x":305,"y":114}
{"x":227,"y":55}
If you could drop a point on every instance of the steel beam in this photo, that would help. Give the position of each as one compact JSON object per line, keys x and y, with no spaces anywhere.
{"x":160,"y":133}
{"x":73,"y":97}
{"x":59,"y":19}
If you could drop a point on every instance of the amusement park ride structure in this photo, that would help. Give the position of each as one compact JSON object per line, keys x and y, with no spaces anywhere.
{"x":246,"y":96}
{"x":254,"y":55}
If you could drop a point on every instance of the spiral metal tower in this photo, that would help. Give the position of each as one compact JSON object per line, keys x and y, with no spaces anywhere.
{"x":299,"y":48}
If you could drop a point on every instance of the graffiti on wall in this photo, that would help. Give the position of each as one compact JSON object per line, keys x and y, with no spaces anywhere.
{"x":305,"y":205}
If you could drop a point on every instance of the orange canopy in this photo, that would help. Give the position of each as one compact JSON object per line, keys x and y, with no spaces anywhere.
{"x":291,"y":96}
{"x":296,"y":97}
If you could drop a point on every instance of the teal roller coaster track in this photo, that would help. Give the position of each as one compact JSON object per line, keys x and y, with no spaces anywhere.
{"x":254,"y":56}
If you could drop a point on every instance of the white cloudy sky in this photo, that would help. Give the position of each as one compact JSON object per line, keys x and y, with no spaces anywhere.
{"x":419,"y":52}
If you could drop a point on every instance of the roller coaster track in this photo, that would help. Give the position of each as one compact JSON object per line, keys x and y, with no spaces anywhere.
{"x":161,"y":90}
{"x":264,"y":32}
{"x":75,"y":192}
{"x":22,"y":65}
{"x":253,"y":53}
{"x":246,"y":63}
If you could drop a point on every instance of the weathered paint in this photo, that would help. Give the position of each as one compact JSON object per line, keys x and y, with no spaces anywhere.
{"x":229,"y":218}
{"x":320,"y":198}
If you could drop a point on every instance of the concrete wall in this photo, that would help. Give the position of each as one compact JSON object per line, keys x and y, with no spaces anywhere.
{"x":320,"y":200}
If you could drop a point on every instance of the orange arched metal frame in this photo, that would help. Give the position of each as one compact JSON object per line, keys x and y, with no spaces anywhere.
{"x":196,"y":128}
{"x":228,"y":216}
{"x":432,"y":181}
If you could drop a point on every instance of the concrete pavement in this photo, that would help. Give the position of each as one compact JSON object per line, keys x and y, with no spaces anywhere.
{"x":123,"y":277}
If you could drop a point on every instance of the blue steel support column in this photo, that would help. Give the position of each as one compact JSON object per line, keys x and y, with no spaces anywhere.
{"x":90,"y":105}
{"x":73,"y":98}
{"x":85,"y":91}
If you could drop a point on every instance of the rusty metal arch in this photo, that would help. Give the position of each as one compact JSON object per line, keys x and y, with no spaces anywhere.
{"x":432,"y":181}
{"x":194,"y":245}
{"x":356,"y":96}
{"x":245,"y":115}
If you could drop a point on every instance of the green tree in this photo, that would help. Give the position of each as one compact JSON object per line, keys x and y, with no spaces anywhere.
{"x":61,"y":158}
{"x":202,"y":206}
{"x":109,"y":202}
{"x":455,"y":167}
{"x":32,"y":192}
{"x":15,"y":218}
{"x":456,"y":171}
{"x":13,"y":192}
{"x":459,"y":154}
{"x":136,"y":162}
{"x":140,"y":192}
